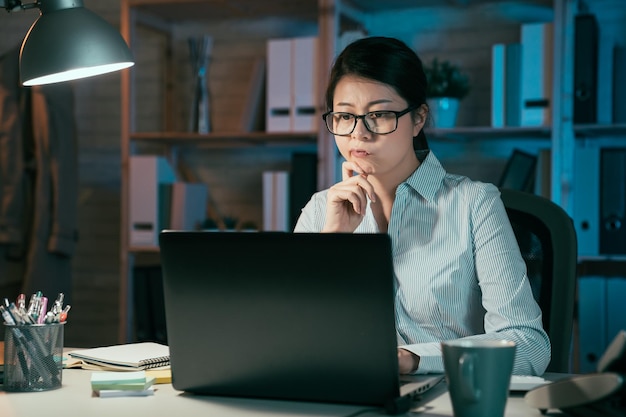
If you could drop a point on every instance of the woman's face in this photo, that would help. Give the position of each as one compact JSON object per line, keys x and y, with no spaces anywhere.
{"x":375,"y":154}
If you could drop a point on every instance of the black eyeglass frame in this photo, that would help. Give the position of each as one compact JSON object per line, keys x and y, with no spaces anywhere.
{"x":398,"y":114}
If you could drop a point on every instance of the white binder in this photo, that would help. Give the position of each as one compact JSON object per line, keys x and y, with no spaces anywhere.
{"x":304,"y":64}
{"x":291,"y":85}
{"x":147,"y":173}
{"x":537,"y":62}
{"x":276,"y":201}
{"x":279,"y":80}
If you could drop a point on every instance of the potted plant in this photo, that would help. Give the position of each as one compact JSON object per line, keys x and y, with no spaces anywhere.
{"x":447,"y":86}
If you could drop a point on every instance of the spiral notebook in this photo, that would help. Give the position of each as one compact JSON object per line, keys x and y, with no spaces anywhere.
{"x":128,"y":357}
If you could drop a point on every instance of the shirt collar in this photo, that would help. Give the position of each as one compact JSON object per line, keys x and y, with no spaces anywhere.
{"x":427,"y":178}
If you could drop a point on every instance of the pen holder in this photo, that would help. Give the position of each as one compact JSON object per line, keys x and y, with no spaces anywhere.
{"x":33,"y":357}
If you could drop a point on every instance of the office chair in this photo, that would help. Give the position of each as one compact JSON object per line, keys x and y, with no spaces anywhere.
{"x":547,"y":241}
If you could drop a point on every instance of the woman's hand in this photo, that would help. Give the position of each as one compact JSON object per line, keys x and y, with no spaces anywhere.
{"x":347,"y":200}
{"x":408,"y":362}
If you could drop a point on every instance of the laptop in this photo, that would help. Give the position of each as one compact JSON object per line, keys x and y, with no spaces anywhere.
{"x":290,"y":316}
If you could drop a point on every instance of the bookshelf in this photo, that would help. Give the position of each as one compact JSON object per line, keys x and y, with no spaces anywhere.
{"x":153,"y":119}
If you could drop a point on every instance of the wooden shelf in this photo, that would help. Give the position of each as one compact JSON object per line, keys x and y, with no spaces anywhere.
{"x":600,"y":130}
{"x":227,"y":139}
{"x":488,"y":133}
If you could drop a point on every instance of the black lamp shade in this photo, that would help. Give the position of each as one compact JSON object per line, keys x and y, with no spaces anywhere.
{"x":68,"y":42}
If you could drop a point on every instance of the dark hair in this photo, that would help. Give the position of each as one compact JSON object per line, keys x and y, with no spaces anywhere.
{"x":386,"y":60}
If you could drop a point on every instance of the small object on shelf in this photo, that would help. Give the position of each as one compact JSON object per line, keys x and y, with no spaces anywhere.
{"x":230,"y":223}
{"x":199,"y":54}
{"x":447,"y":86}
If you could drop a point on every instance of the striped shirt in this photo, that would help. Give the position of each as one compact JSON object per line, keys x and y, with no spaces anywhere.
{"x":458,"y":269}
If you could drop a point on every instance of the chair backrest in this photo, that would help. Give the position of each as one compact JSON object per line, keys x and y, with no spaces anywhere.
{"x":547,"y":241}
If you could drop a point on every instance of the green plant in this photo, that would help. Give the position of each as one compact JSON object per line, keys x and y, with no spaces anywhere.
{"x":445,"y":80}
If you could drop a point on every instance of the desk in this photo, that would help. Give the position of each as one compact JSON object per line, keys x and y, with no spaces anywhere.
{"x":75,"y":399}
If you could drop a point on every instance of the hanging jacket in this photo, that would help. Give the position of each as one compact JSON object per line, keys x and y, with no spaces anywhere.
{"x":38,"y":181}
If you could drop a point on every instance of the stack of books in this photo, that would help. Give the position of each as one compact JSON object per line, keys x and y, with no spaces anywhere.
{"x":122,"y":384}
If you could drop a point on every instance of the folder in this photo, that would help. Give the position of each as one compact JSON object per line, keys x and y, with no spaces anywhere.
{"x":292,"y":85}
{"x":505,"y":84}
{"x":189,"y":205}
{"x":279,"y":80}
{"x":147,"y":174}
{"x":513,"y":85}
{"x":585,"y":69}
{"x":613,"y":201}
{"x":586,"y":191}
{"x":592,"y":304}
{"x":276,"y":201}
{"x":616,"y":309}
{"x":304,"y":64}
{"x":302,"y":184}
{"x":619,"y":84}
{"x":537,"y":59}
{"x":498,"y":89}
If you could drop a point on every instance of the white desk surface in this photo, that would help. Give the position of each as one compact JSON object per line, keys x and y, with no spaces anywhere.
{"x":75,"y":399}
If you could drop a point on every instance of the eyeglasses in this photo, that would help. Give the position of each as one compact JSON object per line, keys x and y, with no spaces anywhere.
{"x":378,"y":122}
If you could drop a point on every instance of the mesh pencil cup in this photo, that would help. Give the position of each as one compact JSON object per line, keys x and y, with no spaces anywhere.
{"x":33,"y":357}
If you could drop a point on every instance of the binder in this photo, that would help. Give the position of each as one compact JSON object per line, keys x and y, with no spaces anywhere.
{"x":537,"y":57}
{"x":506,"y":84}
{"x":616,"y":309}
{"x":276,"y":201}
{"x":513,"y":84}
{"x":279,"y":81}
{"x":613,"y":201}
{"x":304,"y":64}
{"x":147,"y":174}
{"x":585,"y":69}
{"x":302,"y":184}
{"x":189,"y":205}
{"x":619,"y":84}
{"x":498,"y":88}
{"x":592,"y":304}
{"x":586,"y":214}
{"x":291,"y":85}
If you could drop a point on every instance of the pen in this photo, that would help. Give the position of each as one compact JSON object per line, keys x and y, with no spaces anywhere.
{"x":6,"y":315}
{"x":21,"y":303}
{"x":63,"y":315}
{"x":41,"y":315}
{"x":17,"y":317}
{"x":34,"y":306}
{"x":57,"y":307}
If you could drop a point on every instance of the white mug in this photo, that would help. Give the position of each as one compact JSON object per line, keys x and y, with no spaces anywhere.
{"x":478,"y":373}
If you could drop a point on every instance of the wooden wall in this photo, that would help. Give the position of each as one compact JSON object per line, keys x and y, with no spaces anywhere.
{"x":232,"y":175}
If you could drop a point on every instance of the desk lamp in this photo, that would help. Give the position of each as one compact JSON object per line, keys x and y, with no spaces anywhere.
{"x":67,"y":42}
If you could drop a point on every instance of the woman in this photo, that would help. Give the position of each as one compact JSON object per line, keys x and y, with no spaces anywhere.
{"x":458,"y":269}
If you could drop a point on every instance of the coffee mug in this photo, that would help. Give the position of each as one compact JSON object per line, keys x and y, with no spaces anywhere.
{"x":478,"y":373}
